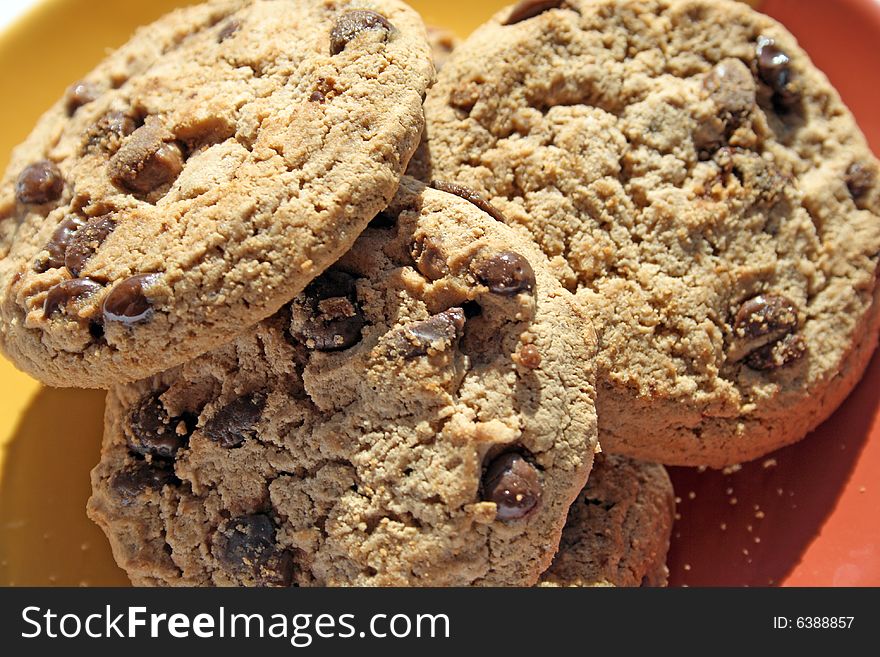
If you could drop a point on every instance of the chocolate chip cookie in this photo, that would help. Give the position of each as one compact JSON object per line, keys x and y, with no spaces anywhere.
{"x":443,"y":42}
{"x":422,"y":414}
{"x":687,"y":169}
{"x":200,"y":177}
{"x":618,"y":529}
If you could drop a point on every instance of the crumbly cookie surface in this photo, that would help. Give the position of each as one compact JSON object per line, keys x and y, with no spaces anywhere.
{"x":688,"y":169}
{"x":423,"y":414}
{"x":618,"y":529}
{"x":200,"y":177}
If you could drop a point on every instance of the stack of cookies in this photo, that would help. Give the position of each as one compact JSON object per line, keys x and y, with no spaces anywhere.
{"x":337,"y":355}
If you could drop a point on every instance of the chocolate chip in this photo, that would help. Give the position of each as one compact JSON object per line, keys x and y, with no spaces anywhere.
{"x":83,"y":244}
{"x":246,"y":540}
{"x":57,"y":244}
{"x":529,"y":9}
{"x":246,"y":546}
{"x":469,"y":195}
{"x":766,"y":315}
{"x":153,"y":432}
{"x":774,"y":68}
{"x":235,"y":422}
{"x":148,"y":160}
{"x":430,"y":259}
{"x":435,"y":334}
{"x":760,"y":322}
{"x":317,"y":97}
{"x":230,"y":28}
{"x":108,"y":133}
{"x":40,"y":182}
{"x":513,"y":484}
{"x":506,"y":273}
{"x":81,"y":93}
{"x":137,"y":478}
{"x":859,"y":179}
{"x":731,"y":88}
{"x":529,"y":357}
{"x":326,"y":316}
{"x":128,"y":302}
{"x":352,"y":23}
{"x":62,"y":294}
{"x":777,"y":354}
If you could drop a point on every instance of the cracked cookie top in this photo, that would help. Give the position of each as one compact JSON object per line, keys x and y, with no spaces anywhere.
{"x":686,"y":167}
{"x":422,"y":414}
{"x":200,"y":177}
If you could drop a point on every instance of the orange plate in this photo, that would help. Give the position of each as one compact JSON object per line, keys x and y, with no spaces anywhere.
{"x":805,"y":516}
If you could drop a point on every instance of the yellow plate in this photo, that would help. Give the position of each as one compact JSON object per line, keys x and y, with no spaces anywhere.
{"x":50,"y":439}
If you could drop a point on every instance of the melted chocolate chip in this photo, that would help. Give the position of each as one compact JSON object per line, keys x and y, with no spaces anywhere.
{"x":513,"y":484}
{"x":435,"y":334}
{"x":153,"y":432}
{"x":471,"y":196}
{"x":430,"y":259}
{"x":785,"y":351}
{"x":149,"y":159}
{"x":83,"y":244}
{"x":235,"y":422}
{"x":40,"y":182}
{"x":505,"y":273}
{"x":230,"y":28}
{"x":317,"y":97}
{"x":246,"y":546}
{"x":761,"y":322}
{"x":128,"y":302}
{"x":60,"y":296}
{"x":326,"y":316}
{"x":81,"y":93}
{"x":529,"y":9}
{"x":774,"y":68}
{"x":57,"y":244}
{"x":137,"y":478}
{"x":352,"y":23}
{"x":859,"y":180}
